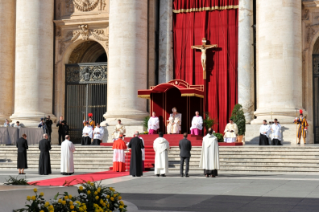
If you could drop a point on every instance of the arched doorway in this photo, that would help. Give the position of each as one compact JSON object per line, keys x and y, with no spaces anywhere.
{"x":85,"y":86}
{"x":315,"y":73}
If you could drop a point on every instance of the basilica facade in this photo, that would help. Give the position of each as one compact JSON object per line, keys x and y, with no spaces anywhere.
{"x":74,"y":57}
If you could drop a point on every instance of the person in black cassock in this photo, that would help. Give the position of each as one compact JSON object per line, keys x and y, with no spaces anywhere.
{"x":60,"y":130}
{"x":48,"y":123}
{"x":136,"y":145}
{"x":22,"y":145}
{"x":264,"y":134}
{"x":44,"y":160}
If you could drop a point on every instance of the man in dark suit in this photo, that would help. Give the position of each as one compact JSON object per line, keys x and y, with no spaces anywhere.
{"x":22,"y":145}
{"x":185,"y":146}
{"x":48,"y":123}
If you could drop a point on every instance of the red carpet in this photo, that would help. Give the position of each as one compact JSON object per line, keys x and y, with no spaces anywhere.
{"x":77,"y":179}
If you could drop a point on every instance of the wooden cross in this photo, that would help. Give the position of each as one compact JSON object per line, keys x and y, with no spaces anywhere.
{"x":203,"y":48}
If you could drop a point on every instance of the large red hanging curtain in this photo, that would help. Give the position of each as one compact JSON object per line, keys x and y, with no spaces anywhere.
{"x":217,"y":21}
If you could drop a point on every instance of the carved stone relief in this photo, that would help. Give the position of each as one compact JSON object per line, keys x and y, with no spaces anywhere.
{"x":86,"y":74}
{"x":83,"y":32}
{"x":305,"y":14}
{"x":85,"y":5}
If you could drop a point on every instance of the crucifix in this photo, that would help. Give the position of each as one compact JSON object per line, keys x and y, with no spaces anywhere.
{"x":203,"y":48}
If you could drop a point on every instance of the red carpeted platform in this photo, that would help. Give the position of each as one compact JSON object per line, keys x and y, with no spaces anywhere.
{"x":77,"y":179}
{"x":174,"y":140}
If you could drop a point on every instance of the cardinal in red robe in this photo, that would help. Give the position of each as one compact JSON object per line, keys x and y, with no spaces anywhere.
{"x":119,"y":148}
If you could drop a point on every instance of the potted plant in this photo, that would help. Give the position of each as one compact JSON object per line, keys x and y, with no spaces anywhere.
{"x":145,"y":124}
{"x":208,"y":122}
{"x":239,"y":118}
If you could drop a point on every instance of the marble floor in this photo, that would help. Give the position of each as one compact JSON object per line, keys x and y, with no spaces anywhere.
{"x":227,"y":192}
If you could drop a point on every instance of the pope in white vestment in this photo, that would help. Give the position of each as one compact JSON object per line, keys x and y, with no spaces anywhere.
{"x":197,"y":124}
{"x":209,"y":159}
{"x":231,"y":131}
{"x":119,"y":129}
{"x":161,"y":147}
{"x":175,"y":122}
{"x":276,"y":133}
{"x":153,"y":124}
{"x":67,"y":149}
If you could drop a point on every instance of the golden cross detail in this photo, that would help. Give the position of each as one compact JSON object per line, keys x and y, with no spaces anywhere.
{"x":203,"y":48}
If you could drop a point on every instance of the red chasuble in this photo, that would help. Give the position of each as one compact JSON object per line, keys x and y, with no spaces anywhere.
{"x":119,"y":147}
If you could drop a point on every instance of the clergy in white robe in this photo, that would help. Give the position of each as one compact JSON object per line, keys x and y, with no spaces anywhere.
{"x":276,"y":133}
{"x":153,"y":124}
{"x":161,"y":147}
{"x":209,"y":159}
{"x":67,"y":149}
{"x":98,"y":133}
{"x":264,"y":134}
{"x":176,"y":125}
{"x":119,"y":129}
{"x":231,"y":131}
{"x":87,"y":134}
{"x":197,"y":124}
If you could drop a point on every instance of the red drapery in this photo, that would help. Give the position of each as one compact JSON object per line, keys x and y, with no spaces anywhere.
{"x":202,"y":5}
{"x":218,"y":27}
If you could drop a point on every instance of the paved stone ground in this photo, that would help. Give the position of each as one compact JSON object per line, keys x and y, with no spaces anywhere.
{"x":227,"y":192}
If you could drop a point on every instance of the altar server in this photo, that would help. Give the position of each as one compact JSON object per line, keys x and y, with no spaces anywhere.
{"x":22,"y":145}
{"x":209,"y":159}
{"x":197,"y":124}
{"x":231,"y":131}
{"x":119,"y":129}
{"x":44,"y":160}
{"x":302,"y":126}
{"x":87,"y":134}
{"x":276,"y":133}
{"x":136,"y":164}
{"x":161,"y":147}
{"x":264,"y":134}
{"x":153,"y":124}
{"x":67,"y":150}
{"x":119,"y":148}
{"x":98,"y":133}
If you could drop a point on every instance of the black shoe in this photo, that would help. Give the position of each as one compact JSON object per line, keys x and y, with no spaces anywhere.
{"x":163,"y":175}
{"x":157,"y":175}
{"x":182,"y":175}
{"x":133,"y":175}
{"x":187,"y":175}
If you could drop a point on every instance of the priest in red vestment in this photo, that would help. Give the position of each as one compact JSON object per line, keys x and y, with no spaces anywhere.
{"x":119,"y":148}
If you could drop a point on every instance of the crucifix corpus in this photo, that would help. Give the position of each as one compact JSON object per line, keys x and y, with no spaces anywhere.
{"x":203,"y":48}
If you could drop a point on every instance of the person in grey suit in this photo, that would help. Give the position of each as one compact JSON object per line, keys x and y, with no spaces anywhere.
{"x":185,"y":147}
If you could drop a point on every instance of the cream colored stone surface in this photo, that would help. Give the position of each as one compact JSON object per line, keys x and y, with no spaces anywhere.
{"x":7,"y":45}
{"x":127,"y":67}
{"x":34,"y":61}
{"x":246,"y":58}
{"x":279,"y":60}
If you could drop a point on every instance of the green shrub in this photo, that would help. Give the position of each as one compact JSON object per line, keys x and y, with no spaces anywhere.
{"x":219,"y":136}
{"x":239,"y":118}
{"x":208,"y":122}
{"x":145,"y":123}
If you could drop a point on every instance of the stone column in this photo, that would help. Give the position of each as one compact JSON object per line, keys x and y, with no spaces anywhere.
{"x":7,"y":42}
{"x":279,"y":60}
{"x":34,"y":61}
{"x":246,"y":58}
{"x":165,"y":72}
{"x":127,"y":67}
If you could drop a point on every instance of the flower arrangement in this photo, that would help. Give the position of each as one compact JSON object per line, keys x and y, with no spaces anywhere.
{"x":93,"y":197}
